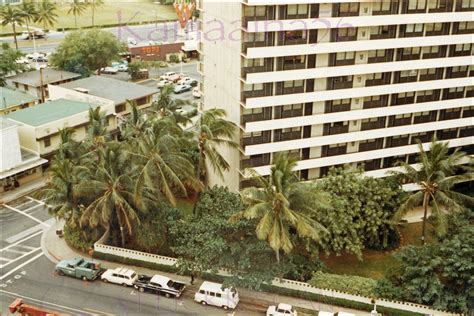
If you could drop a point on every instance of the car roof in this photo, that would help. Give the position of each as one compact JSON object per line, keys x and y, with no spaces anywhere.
{"x":123,"y":271}
{"x":345,"y":314}
{"x":323,"y":313}
{"x":285,"y":306}
{"x":160,"y":279}
{"x":211,"y":286}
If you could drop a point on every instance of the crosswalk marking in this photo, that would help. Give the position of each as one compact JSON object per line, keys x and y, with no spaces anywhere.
{"x":25,"y":247}
{"x":26,"y":214}
{"x":20,"y":257}
{"x":15,"y":251}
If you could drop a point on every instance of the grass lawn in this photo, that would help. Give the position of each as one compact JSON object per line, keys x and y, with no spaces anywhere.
{"x":112,"y":13}
{"x":375,"y":263}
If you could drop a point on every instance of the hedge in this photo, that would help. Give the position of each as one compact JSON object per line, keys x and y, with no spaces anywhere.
{"x":265,"y":287}
{"x":351,"y":284}
{"x":63,"y":29}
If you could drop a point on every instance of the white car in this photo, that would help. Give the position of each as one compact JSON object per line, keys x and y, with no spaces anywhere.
{"x":109,"y":70}
{"x":131,"y":41}
{"x":122,"y":68}
{"x":22,"y":60}
{"x":34,"y":55}
{"x":281,"y":310}
{"x":167,"y":75}
{"x":210,"y":293}
{"x":122,"y":276}
{"x":196,"y":93}
{"x":163,"y":83}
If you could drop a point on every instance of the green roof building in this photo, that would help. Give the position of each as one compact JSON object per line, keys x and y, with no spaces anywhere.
{"x":12,"y":100}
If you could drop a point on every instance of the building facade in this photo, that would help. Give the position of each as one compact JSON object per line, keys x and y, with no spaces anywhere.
{"x":338,"y":82}
{"x":12,"y":100}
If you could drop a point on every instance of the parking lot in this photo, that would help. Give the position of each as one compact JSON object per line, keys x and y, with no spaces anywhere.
{"x":21,"y":224}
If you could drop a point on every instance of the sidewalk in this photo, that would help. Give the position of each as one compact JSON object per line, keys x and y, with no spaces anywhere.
{"x":56,"y":249}
{"x":23,"y":190}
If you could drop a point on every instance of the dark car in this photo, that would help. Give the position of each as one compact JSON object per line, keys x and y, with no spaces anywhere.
{"x":159,"y":284}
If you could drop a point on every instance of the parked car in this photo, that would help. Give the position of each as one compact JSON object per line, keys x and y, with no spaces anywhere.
{"x":167,"y":75}
{"x":33,"y":34}
{"x":131,"y":41}
{"x":163,"y":83}
{"x":189,"y":81}
{"x":281,"y":310}
{"x":122,"y":68}
{"x":109,"y":70}
{"x":79,"y":268}
{"x":211,"y":293}
{"x":160,"y":285}
{"x":40,"y":58}
{"x":180,"y":88}
{"x":176,"y":77}
{"x":34,"y":55}
{"x":197,"y":93}
{"x":22,"y":60}
{"x":123,"y":276}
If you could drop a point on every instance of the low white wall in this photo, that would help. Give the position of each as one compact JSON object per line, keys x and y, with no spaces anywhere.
{"x":284,"y":283}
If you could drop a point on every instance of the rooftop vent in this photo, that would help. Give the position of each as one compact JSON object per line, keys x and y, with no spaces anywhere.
{"x":82,"y":90}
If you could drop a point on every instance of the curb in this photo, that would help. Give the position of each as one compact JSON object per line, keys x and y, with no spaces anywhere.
{"x":44,"y":248}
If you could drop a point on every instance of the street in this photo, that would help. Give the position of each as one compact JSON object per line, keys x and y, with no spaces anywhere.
{"x":25,"y":272}
{"x":160,"y":32}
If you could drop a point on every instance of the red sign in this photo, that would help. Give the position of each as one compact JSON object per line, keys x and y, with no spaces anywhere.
{"x":184,"y":11}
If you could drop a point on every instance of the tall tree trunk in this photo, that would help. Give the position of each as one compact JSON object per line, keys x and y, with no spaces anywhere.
{"x":122,"y":233}
{"x":75,"y":21}
{"x":93,"y":12}
{"x":28,"y":29}
{"x":277,"y":255}
{"x":200,"y":177}
{"x":14,"y":35}
{"x":426,"y":199}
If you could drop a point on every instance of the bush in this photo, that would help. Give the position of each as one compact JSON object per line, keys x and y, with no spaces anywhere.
{"x":301,"y":268}
{"x":81,"y":238}
{"x":174,"y":58}
{"x":344,"y":283}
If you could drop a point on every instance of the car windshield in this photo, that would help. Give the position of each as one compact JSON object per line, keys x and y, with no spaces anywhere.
{"x":133,"y":276}
{"x":170,"y":283}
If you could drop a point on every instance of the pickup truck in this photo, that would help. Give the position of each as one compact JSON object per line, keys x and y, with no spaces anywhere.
{"x":79,"y":268}
{"x":281,"y":310}
{"x":160,"y":285}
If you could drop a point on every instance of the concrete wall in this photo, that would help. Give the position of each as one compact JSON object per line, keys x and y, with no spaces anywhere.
{"x":9,"y":148}
{"x":222,"y":67}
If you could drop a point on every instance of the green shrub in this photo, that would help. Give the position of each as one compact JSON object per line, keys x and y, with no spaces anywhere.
{"x":81,"y":238}
{"x":344,"y":283}
{"x":134,"y":262}
{"x":174,"y":58}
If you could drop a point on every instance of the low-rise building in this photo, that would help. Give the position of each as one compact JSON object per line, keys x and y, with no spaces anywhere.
{"x":40,"y":125}
{"x":12,"y":100}
{"x":18,"y":165}
{"x":36,"y":83}
{"x":105,"y":88}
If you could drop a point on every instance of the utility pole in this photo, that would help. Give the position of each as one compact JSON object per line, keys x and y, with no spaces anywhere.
{"x":43,"y":97}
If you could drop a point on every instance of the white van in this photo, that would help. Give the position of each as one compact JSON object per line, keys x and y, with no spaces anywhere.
{"x":213,"y":294}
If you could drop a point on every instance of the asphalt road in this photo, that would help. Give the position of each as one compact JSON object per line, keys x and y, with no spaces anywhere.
{"x":160,"y":32}
{"x":25,"y":272}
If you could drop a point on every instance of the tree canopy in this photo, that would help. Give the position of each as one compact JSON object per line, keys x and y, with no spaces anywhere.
{"x":8,"y":65}
{"x":87,"y":51}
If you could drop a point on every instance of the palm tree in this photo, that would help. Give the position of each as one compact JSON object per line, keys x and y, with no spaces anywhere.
{"x":213,"y":130}
{"x":77,"y":8}
{"x":436,"y":176}
{"x":46,"y":14}
{"x":166,"y":106}
{"x":135,"y":124}
{"x":281,"y":202}
{"x":11,"y":16}
{"x":110,"y":184}
{"x":165,"y":168}
{"x":29,"y":13}
{"x":68,"y":147}
{"x":94,"y":5}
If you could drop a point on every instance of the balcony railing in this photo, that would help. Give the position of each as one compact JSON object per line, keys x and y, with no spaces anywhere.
{"x":380,"y":123}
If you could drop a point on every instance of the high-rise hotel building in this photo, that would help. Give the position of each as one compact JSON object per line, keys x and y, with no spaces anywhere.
{"x":338,"y":81}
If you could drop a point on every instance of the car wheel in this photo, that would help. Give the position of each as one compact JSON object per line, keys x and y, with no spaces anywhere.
{"x":124,"y":284}
{"x":140,"y":289}
{"x":203,"y":303}
{"x":167,"y":295}
{"x":61,"y":273}
{"x":225,"y":307}
{"x":105,"y":280}
{"x":84,"y":278}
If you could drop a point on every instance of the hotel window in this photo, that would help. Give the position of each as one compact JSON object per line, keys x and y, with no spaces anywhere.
{"x":430,"y":50}
{"x":411,"y":53}
{"x":382,"y":31}
{"x":381,"y":6}
{"x":348,"y":9}
{"x":462,"y":49}
{"x":255,"y":11}
{"x":297,"y":9}
{"x":254,"y":37}
{"x":428,"y":74}
{"x":416,"y":5}
{"x":253,"y":87}
{"x":347,"y":32}
{"x":465,"y":4}
{"x":293,"y":84}
{"x":338,"y":105}
{"x":254,"y":62}
{"x":463,"y":26}
{"x":377,"y":55}
{"x":426,"y":96}
{"x":437,"y":5}
{"x":47,"y":141}
{"x":434,"y":28}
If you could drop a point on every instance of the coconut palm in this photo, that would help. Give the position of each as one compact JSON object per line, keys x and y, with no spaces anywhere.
{"x":166,"y":106}
{"x":436,"y":176}
{"x":94,"y":5}
{"x":29,"y":13}
{"x":135,"y":124}
{"x":110,"y":184}
{"x":10,"y":15}
{"x":77,"y":8}
{"x":165,"y":168}
{"x":282,"y":202}
{"x":213,"y":130}
{"x":46,"y":14}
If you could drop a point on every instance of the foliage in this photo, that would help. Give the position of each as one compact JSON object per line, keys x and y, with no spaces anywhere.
{"x":344,"y":283}
{"x":94,"y":5}
{"x":209,"y":242}
{"x":87,"y":51}
{"x":174,"y":59}
{"x":301,"y":268}
{"x":436,"y":274}
{"x":77,"y":8}
{"x":81,"y":239}
{"x":361,"y":213}
{"x":440,"y":170}
{"x":167,"y":106}
{"x":135,"y":67}
{"x":11,"y":15}
{"x":282,"y":202}
{"x":8,"y":65}
{"x":47,"y":13}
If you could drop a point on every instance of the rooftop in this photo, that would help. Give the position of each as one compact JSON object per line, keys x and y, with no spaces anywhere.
{"x":49,"y":112}
{"x":50,"y":75}
{"x":4,"y":123}
{"x":112,"y":89}
{"x":10,"y":97}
